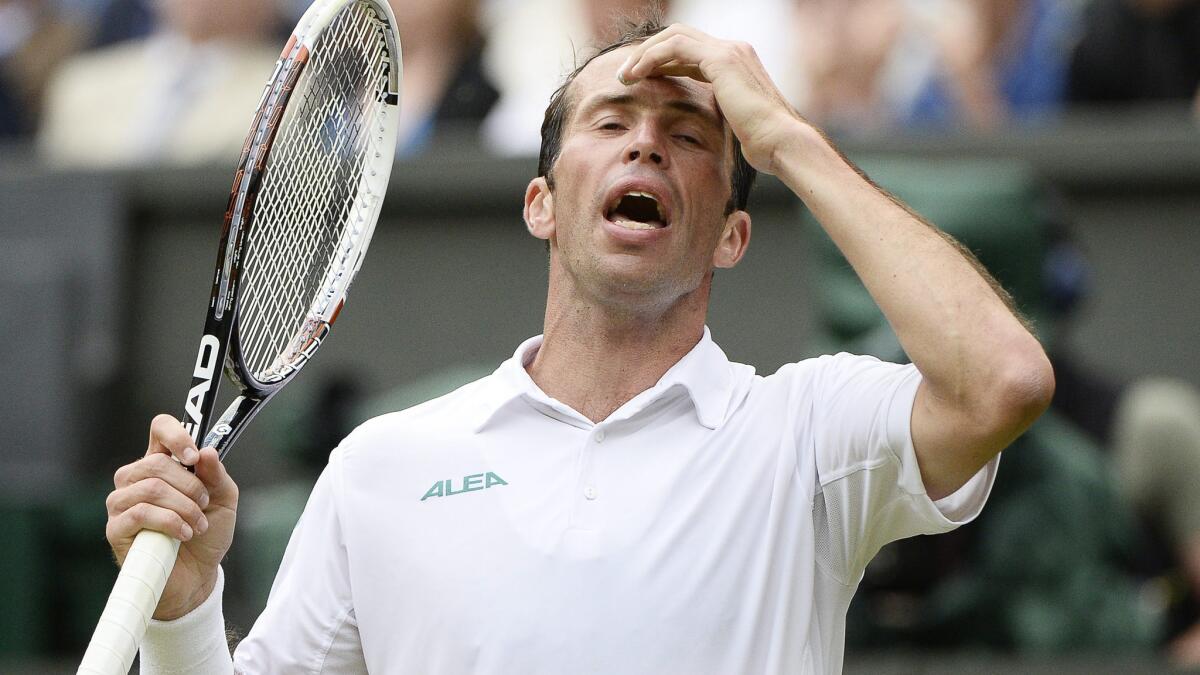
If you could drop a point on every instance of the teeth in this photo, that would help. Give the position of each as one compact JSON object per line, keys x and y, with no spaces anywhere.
{"x":634,"y":225}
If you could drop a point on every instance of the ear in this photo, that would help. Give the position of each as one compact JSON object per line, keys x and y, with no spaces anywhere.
{"x":539,"y":209}
{"x":734,"y":240}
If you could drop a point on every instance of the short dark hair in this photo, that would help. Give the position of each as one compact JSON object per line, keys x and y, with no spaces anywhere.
{"x":561,"y":105}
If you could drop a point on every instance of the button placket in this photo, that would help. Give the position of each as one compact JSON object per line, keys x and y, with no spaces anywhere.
{"x":585,"y":502}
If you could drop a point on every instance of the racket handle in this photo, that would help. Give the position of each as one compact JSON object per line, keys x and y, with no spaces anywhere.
{"x":134,"y":596}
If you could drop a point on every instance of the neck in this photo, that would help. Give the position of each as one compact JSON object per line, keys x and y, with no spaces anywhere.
{"x":596,"y":356}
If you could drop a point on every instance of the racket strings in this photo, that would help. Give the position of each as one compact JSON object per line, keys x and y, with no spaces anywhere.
{"x":308,"y":219}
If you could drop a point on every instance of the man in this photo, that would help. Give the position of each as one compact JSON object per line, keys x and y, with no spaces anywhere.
{"x":619,"y":497}
{"x":165,"y":98}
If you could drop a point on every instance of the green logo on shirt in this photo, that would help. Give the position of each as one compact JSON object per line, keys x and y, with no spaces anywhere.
{"x":476,"y":481}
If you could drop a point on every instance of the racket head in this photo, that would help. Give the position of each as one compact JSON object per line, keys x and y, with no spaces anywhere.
{"x":266,"y":176}
{"x":313,"y":177}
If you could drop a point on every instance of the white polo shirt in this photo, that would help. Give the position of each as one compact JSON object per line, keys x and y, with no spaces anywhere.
{"x":718,"y":522}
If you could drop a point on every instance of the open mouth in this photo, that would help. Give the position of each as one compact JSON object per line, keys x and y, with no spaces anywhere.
{"x":637,"y":211}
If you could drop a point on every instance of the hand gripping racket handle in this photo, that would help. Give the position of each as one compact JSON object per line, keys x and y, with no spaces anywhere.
{"x":147,"y":567}
{"x":131,"y":604}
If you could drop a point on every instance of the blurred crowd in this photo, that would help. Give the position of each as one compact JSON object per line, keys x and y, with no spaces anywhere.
{"x":98,"y":82}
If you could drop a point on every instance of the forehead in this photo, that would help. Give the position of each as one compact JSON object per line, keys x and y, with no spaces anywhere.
{"x":598,"y":80}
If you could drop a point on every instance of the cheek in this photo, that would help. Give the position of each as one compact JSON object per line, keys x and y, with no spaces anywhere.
{"x":573,"y":196}
{"x":568,"y":202}
{"x":712,"y":189}
{"x":570,"y":216}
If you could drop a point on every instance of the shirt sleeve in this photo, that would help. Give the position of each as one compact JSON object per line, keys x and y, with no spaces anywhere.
{"x":870,"y":490}
{"x":308,"y":625}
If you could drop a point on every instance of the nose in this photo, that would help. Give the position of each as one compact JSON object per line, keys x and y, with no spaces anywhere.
{"x":646,"y":145}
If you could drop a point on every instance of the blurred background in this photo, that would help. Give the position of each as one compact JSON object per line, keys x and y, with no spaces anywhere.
{"x":1058,"y":139}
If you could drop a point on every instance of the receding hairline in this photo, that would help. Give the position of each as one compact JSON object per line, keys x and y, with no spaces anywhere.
{"x":562,"y":112}
{"x":568,"y":96}
{"x":574,"y":104}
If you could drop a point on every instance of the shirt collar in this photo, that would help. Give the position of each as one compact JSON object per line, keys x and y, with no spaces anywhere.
{"x":704,"y":373}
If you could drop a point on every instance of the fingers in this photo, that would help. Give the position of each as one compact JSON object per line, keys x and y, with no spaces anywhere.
{"x":683,"y":44}
{"x":210,"y":481}
{"x":158,"y":493}
{"x":167,"y":436}
{"x":747,"y":98}
{"x":155,"y":493}
{"x":674,"y":68}
{"x":163,"y":496}
{"x":145,"y":516}
{"x":161,"y":467}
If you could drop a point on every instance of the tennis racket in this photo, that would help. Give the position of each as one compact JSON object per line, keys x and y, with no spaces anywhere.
{"x":304,"y":202}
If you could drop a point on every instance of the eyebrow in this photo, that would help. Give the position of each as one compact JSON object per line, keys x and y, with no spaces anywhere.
{"x":628,"y":100}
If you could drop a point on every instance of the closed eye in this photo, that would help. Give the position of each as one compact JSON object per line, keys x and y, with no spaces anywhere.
{"x":688,"y":139}
{"x":611,"y":126}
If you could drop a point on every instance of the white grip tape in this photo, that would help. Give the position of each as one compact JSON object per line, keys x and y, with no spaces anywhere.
{"x":131,"y":604}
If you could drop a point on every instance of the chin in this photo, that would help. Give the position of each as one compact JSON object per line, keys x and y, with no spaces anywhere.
{"x":642,"y":287}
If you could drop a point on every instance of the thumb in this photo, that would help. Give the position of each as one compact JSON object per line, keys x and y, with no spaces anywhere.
{"x":211,"y":471}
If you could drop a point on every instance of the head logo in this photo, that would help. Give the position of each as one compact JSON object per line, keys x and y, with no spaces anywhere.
{"x":206,"y":366}
{"x":472,"y":483}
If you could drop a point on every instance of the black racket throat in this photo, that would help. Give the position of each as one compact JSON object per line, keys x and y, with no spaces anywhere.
{"x":215,"y":348}
{"x":304,"y":202}
{"x":226,"y":430}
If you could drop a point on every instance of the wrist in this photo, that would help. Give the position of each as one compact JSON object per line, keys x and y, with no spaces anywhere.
{"x":807,"y":157}
{"x":170,"y":610}
{"x":772,"y":139}
{"x":192,"y":643}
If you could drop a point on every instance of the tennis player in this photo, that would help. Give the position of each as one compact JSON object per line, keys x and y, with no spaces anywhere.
{"x":619,"y":497}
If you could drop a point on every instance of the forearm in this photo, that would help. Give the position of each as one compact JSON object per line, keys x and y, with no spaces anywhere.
{"x":953,"y":321}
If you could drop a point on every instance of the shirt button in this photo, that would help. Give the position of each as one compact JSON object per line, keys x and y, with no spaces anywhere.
{"x":599,"y":436}
{"x":590,"y":492}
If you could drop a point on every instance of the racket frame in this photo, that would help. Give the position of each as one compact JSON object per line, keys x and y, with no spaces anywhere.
{"x":220,"y":324}
{"x":152,"y":555}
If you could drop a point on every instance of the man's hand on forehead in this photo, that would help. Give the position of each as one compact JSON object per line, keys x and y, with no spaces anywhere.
{"x":752,"y":104}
